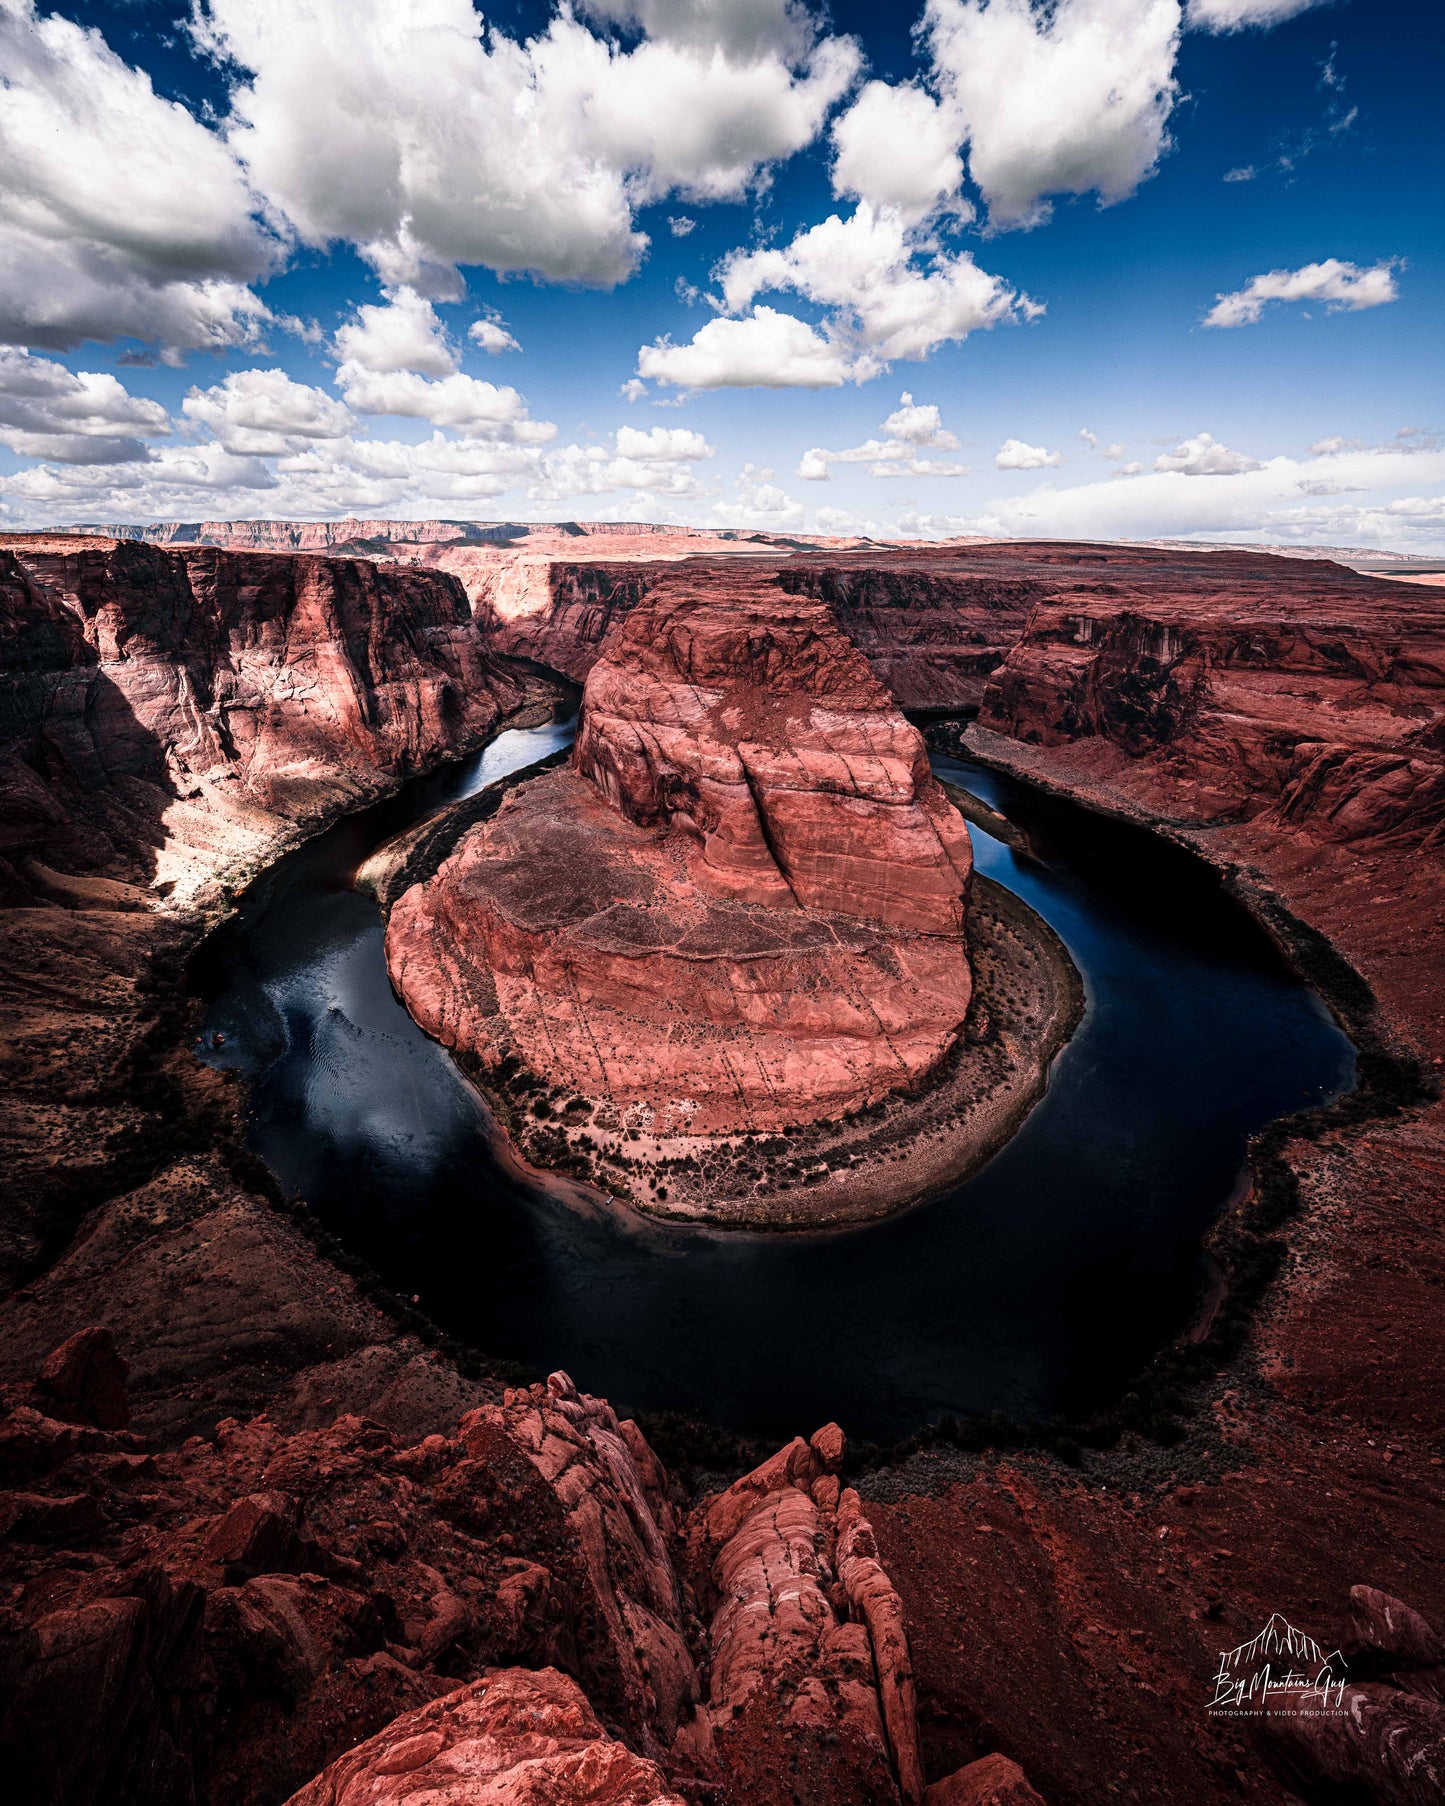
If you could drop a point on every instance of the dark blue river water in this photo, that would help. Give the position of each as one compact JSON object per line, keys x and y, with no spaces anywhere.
{"x":1040,"y":1284}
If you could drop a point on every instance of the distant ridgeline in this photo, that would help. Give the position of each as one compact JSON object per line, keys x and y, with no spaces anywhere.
{"x":330,"y":536}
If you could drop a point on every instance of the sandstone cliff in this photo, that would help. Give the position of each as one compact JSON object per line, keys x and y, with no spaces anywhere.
{"x":743,"y":906}
{"x":169,"y":721}
{"x":169,"y":712}
{"x":932,"y":629}
{"x":1290,"y":690}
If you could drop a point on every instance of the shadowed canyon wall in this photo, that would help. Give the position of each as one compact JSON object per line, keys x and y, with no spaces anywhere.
{"x":168,"y":722}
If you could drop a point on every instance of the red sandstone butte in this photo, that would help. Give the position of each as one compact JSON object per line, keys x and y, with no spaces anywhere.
{"x":741,"y":908}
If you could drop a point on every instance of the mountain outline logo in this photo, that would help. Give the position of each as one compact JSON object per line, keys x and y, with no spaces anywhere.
{"x":1279,"y":1671}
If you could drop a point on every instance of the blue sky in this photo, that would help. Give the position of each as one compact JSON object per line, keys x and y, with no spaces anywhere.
{"x":314,"y":257}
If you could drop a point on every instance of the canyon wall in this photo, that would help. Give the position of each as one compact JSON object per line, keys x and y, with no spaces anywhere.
{"x":168,"y":711}
{"x":1291,"y":690}
{"x":742,"y":908}
{"x":516,"y":1607}
{"x":552,"y":612}
{"x":931,"y":629}
{"x":169,"y":721}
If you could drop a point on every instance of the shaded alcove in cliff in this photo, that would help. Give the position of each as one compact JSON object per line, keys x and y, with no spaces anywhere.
{"x":83,"y":786}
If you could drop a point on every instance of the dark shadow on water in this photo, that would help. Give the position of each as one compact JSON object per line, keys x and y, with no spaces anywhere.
{"x":1040,"y":1285}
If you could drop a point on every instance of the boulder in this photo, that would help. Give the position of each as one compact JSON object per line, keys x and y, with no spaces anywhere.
{"x":1382,"y":1740}
{"x":991,"y":1781}
{"x":86,"y":1378}
{"x":1386,"y":1636}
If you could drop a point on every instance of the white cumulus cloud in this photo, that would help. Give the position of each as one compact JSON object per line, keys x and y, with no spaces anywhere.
{"x":759,"y":503}
{"x":1341,"y":287}
{"x":1015,"y":454}
{"x":430,"y":140}
{"x":121,"y":215}
{"x":661,"y":444}
{"x":1204,"y":456}
{"x":919,"y":424}
{"x":404,"y":334}
{"x":896,"y":147}
{"x":1071,"y":97}
{"x":78,"y":417}
{"x":464,"y":403}
{"x":892,"y":290}
{"x":766,"y":350}
{"x":743,"y":28}
{"x":912,"y":428}
{"x":265,"y":413}
{"x":493,"y":337}
{"x":1111,"y":453}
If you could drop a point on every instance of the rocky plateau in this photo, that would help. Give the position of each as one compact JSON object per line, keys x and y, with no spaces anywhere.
{"x":267,"y":1535}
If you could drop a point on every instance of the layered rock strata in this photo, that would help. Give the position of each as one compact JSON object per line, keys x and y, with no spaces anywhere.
{"x":741,"y":909}
{"x":806,"y":1632}
{"x":1302,"y":694}
{"x":169,"y":721}
{"x":170,"y":714}
{"x":513,"y":1735}
{"x":932,"y":629}
{"x":1329,"y":1421}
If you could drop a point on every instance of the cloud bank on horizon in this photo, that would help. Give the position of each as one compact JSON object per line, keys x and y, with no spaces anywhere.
{"x":353,"y":258}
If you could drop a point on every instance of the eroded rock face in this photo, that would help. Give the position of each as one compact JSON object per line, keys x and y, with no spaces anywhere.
{"x":932,"y":628}
{"x":1240,"y":687}
{"x":170,"y":721}
{"x":175,"y":711}
{"x":512,"y":1738}
{"x":742,"y":907}
{"x":234,"y":1613}
{"x":991,"y":1781}
{"x":613,"y":1492}
{"x":519,"y":1609}
{"x":754,"y":726}
{"x":806,"y":1637}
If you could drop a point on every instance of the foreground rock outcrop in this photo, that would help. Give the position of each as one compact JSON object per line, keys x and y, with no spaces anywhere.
{"x":512,"y":1736}
{"x":518,"y":1609}
{"x":223,"y":1618}
{"x":741,"y":909}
